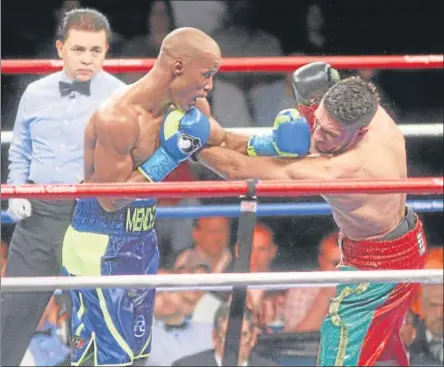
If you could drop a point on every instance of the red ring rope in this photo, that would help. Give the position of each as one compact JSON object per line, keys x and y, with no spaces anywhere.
{"x":247,"y":64}
{"x":206,"y":189}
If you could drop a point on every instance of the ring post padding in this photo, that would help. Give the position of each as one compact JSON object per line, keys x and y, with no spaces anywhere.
{"x":247,"y":222}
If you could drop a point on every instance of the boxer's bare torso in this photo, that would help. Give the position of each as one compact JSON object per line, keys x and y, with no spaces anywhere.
{"x":119,"y":137}
{"x":123,"y":133}
{"x":380,"y":155}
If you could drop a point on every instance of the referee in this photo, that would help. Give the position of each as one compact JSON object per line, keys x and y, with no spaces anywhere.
{"x":47,"y":148}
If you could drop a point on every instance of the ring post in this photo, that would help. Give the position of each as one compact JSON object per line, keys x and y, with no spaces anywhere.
{"x":247,"y":222}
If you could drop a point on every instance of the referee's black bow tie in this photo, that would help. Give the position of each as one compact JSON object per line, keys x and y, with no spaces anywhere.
{"x":81,"y":87}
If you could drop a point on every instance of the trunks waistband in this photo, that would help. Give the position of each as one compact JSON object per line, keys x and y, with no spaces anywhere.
{"x":135,"y":219}
{"x":402,"y":248}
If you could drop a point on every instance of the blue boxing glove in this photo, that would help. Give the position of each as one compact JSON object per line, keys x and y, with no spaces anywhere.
{"x":182,"y":133}
{"x":290,"y":137}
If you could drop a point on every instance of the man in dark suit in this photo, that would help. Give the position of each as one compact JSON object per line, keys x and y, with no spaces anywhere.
{"x":427,"y":348}
{"x":213,"y":357}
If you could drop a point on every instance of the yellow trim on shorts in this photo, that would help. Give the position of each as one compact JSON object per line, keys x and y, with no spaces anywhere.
{"x":80,"y":313}
{"x":333,"y":314}
{"x":82,"y":252}
{"x":112,"y":329}
{"x":84,"y":355}
{"x":144,"y":347}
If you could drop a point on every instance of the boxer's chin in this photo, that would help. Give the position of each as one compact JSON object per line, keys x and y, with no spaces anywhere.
{"x":323,"y":150}
{"x":181,"y":105}
{"x":185,"y":105}
{"x":192,"y":102}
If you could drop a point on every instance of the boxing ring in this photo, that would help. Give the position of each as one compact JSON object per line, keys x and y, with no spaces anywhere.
{"x":248,"y":192}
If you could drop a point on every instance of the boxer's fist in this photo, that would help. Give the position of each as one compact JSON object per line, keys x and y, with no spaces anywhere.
{"x":19,"y":209}
{"x":310,"y":83}
{"x":291,"y":134}
{"x":290,"y":137}
{"x":181,"y":134}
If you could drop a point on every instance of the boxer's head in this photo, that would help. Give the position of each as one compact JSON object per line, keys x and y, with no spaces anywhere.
{"x":192,"y":58}
{"x":82,"y":43}
{"x":342,"y":118}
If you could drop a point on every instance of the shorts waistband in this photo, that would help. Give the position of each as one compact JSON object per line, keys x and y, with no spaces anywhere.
{"x":136,"y":218}
{"x":407,"y":223}
{"x":402,"y":248}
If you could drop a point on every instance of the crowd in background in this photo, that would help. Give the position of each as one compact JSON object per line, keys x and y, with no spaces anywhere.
{"x":188,"y":323}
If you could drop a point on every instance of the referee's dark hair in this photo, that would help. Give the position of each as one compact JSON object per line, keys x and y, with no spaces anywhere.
{"x":83,"y":19}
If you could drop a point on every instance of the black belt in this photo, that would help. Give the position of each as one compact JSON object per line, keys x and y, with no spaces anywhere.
{"x":407,"y":223}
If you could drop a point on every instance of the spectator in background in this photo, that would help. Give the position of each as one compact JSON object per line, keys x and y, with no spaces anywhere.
{"x":263,"y":252}
{"x":176,"y":334}
{"x":264,"y":249}
{"x":306,"y":308}
{"x":213,"y":357}
{"x":269,"y":98}
{"x":408,"y":329}
{"x":427,"y":348}
{"x":239,"y":36}
{"x":316,"y":39}
{"x":204,"y":15}
{"x":211,"y":236}
{"x":46,"y":148}
{"x":201,"y":305}
{"x":159,"y":22}
{"x":433,"y":261}
{"x":229,"y":105}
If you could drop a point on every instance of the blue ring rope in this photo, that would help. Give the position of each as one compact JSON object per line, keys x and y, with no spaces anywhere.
{"x":265,"y":209}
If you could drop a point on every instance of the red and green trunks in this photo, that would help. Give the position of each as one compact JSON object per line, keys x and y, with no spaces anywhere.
{"x":363,"y":324}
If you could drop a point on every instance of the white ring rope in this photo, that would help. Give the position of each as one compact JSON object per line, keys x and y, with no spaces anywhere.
{"x":409,"y":130}
{"x":210,"y":281}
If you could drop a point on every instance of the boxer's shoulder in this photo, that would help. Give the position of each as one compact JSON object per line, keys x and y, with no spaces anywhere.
{"x":346,"y":165}
{"x":119,"y":120}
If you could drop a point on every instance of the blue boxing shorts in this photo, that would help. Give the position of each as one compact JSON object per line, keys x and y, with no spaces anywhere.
{"x":114,"y":324}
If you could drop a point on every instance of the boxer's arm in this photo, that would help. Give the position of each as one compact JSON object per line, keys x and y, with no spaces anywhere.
{"x":218,"y":135}
{"x":113,"y":163}
{"x":235,"y":166}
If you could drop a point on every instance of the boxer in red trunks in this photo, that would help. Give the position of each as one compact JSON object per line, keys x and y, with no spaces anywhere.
{"x":353,"y":138}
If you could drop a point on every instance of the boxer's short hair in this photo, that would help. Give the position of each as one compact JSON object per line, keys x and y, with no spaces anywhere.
{"x":352,"y":101}
{"x":84,"y":19}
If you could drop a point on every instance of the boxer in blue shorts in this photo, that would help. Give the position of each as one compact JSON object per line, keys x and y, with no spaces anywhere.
{"x":111,"y":243}
{"x":140,"y":135}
